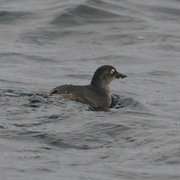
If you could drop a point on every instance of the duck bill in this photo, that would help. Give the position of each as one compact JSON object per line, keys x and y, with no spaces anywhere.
{"x":119,"y":75}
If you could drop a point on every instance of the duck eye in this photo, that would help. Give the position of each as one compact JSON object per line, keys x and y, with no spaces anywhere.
{"x":112,"y":71}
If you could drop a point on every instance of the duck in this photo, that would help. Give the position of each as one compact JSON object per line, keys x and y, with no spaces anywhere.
{"x":96,"y":94}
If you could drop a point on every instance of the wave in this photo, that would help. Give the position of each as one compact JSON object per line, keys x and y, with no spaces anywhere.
{"x":10,"y":17}
{"x":84,"y":14}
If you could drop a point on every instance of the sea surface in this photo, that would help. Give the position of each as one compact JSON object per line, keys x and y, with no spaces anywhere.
{"x":44,"y":44}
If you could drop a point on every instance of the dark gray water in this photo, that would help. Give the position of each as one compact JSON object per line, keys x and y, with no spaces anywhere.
{"x":48,"y":43}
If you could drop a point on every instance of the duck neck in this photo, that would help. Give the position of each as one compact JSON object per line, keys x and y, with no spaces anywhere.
{"x":103,"y":88}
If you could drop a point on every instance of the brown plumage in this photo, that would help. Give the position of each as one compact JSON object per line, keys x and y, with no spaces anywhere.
{"x":95,"y":94}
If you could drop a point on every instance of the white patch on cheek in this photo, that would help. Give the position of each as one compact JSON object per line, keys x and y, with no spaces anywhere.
{"x":112,"y":71}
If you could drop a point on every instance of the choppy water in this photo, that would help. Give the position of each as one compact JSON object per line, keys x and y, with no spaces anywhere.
{"x":48,"y":43}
